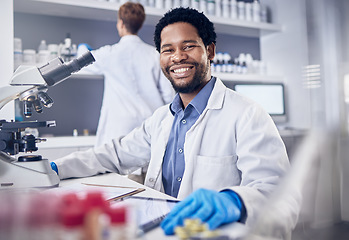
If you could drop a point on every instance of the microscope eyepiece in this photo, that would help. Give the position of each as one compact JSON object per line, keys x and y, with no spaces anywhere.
{"x":56,"y":70}
{"x":80,"y":62}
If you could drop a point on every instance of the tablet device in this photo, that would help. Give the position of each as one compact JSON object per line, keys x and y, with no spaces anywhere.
{"x":150,"y":211}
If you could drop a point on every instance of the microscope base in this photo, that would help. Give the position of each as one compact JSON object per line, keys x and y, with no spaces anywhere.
{"x":32,"y":174}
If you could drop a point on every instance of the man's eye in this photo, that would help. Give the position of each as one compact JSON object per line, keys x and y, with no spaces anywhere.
{"x":189,"y":47}
{"x":166,"y":50}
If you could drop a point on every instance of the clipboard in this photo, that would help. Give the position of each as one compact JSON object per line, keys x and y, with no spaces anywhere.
{"x":110,"y":192}
{"x":121,"y":196}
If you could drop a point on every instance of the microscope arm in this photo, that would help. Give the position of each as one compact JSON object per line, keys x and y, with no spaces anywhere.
{"x":9,"y":93}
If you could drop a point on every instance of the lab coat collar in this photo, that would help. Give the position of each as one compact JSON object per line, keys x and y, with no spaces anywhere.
{"x":201,"y":99}
{"x":130,"y":38}
{"x":217,"y":96}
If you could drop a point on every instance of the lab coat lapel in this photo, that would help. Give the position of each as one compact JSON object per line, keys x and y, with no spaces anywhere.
{"x":157,"y":159}
{"x":194,"y":135}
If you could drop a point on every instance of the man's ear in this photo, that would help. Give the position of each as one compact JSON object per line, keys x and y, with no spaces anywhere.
{"x":211,"y":51}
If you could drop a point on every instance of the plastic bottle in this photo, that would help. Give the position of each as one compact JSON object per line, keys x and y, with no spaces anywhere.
{"x":233,"y":9}
{"x":248,"y":12}
{"x":43,"y":55}
{"x":29,"y":57}
{"x":42,"y":45}
{"x":118,"y":224}
{"x":213,"y":67}
{"x":72,"y":214}
{"x":151,"y":3}
{"x":226,"y":8}
{"x":218,"y":8}
{"x":219,"y":62}
{"x":66,"y":51}
{"x":41,"y":215}
{"x":195,"y":4}
{"x":203,"y":6}
{"x":263,"y":13}
{"x":241,"y":10}
{"x":211,"y":7}
{"x":256,"y":11}
{"x":226,"y":59}
{"x":168,"y":4}
{"x":185,"y":3}
{"x":176,"y":3}
{"x":243,"y":68}
{"x":53,"y":49}
{"x":144,"y":2}
{"x":96,"y":220}
{"x":249,"y":63}
{"x":230,"y":67}
{"x":238,"y":69}
{"x":17,"y":52}
{"x":159,"y":4}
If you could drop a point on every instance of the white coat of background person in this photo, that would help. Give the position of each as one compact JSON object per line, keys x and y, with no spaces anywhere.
{"x":134,"y":85}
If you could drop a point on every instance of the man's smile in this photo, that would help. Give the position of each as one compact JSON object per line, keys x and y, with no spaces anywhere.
{"x":180,"y":71}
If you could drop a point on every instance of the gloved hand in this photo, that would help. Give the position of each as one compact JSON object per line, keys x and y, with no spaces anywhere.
{"x":214,"y":208}
{"x":54,"y":167}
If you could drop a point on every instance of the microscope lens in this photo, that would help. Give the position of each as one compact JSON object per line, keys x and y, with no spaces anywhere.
{"x":37,"y":106}
{"x":27,"y":109}
{"x":45,"y":99}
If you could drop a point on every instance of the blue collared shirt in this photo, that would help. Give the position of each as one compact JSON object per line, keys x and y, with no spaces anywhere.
{"x":174,"y":164}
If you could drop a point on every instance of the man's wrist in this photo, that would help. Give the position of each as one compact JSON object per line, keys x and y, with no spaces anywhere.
{"x":237,"y":201}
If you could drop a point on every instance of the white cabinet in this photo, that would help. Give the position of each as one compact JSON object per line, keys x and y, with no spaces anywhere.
{"x":106,"y":11}
{"x":99,"y":10}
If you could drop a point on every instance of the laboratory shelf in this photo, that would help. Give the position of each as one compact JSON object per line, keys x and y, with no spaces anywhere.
{"x":247,"y":77}
{"x":106,"y":11}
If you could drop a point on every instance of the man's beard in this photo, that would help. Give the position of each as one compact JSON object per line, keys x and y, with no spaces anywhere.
{"x":196,"y":83}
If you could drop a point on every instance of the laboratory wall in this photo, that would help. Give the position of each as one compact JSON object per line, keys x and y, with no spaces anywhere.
{"x":84,"y":96}
{"x":6,"y":52}
{"x":287,"y":54}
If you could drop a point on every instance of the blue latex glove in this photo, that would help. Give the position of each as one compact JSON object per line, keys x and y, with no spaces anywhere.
{"x":54,"y":167}
{"x":214,"y":208}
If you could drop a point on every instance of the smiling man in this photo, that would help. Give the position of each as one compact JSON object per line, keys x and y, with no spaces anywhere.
{"x":214,"y":149}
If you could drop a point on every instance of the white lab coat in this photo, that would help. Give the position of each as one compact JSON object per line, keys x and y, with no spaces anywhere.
{"x":134,"y":86}
{"x":234,"y":144}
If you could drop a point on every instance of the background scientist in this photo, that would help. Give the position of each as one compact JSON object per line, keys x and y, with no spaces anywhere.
{"x":211,"y":144}
{"x":134,"y":85}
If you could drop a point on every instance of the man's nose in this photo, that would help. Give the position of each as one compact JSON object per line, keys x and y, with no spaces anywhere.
{"x":178,"y":56}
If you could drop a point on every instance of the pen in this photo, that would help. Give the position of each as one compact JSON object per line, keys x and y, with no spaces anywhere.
{"x":150,"y":225}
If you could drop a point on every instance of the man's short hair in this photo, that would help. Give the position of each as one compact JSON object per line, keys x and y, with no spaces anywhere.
{"x":132,"y":15}
{"x":203,"y":25}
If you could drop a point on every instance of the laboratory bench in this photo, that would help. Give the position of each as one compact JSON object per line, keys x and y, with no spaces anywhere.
{"x":234,"y":230}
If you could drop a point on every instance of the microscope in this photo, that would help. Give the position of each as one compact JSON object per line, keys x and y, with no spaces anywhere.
{"x":29,"y":85}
